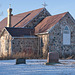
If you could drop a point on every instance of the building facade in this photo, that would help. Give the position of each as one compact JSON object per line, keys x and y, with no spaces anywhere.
{"x":38,"y":32}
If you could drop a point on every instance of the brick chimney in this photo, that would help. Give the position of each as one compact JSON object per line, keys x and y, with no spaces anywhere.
{"x":9,"y":17}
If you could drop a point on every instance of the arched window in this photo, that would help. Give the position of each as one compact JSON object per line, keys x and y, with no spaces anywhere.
{"x":66,"y":36}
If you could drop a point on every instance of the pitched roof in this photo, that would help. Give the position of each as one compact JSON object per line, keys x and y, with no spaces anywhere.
{"x":27,"y":16}
{"x":48,"y":22}
{"x":20,"y":32}
{"x":30,"y":17}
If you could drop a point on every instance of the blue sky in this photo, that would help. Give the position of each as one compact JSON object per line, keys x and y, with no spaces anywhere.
{"x":21,"y":6}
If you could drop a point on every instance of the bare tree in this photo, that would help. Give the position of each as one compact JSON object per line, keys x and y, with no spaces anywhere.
{"x":1,"y":12}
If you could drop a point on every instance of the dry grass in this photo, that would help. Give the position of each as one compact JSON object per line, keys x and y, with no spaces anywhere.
{"x":32,"y":55}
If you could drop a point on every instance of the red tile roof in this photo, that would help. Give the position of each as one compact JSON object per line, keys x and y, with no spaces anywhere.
{"x":16,"y":18}
{"x":48,"y":22}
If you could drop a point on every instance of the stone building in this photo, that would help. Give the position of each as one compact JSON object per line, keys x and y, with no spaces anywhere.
{"x":37,"y":32}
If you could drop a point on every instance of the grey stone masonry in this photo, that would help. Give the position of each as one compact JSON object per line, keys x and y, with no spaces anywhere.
{"x":56,"y":37}
{"x":38,"y":18}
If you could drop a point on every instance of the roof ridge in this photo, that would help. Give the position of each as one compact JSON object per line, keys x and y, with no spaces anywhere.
{"x":33,"y":17}
{"x":27,"y":11}
{"x":27,"y":16}
{"x":22,"y":19}
{"x":23,"y":13}
{"x":48,"y":22}
{"x":58,"y":14}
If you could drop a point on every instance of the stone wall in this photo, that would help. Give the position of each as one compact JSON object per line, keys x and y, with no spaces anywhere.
{"x":44,"y":13}
{"x":54,"y":40}
{"x":5,"y":44}
{"x":56,"y":37}
{"x":28,"y":46}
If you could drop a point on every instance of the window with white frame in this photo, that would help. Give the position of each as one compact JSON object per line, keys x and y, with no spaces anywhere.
{"x":66,"y":36}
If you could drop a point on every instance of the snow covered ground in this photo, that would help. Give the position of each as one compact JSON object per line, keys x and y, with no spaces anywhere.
{"x":37,"y":67}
